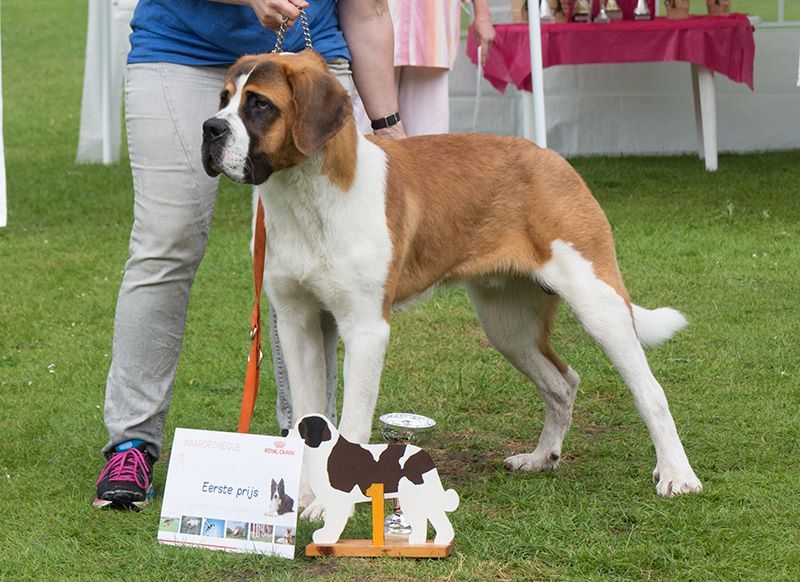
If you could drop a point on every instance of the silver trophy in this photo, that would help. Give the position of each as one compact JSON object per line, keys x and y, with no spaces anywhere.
{"x":582,"y":11}
{"x":613,"y":10}
{"x":546,"y":13}
{"x":641,"y":12}
{"x":403,"y":428}
{"x":602,"y":16}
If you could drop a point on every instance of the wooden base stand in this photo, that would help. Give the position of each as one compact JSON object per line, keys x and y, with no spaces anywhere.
{"x":365,"y":549}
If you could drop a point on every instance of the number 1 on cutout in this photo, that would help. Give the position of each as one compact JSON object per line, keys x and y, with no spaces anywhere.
{"x":375,"y":492}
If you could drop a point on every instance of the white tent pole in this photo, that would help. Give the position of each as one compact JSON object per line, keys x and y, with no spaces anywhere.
{"x":537,"y":76}
{"x":3,"y":209}
{"x":105,"y":78}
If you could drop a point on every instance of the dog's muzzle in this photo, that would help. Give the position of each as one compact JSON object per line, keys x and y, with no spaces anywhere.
{"x":215,"y":135}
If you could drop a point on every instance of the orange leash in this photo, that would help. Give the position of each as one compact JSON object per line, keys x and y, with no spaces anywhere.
{"x":254,"y":361}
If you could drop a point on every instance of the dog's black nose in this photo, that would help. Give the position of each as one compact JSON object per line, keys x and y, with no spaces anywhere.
{"x":215,"y":128}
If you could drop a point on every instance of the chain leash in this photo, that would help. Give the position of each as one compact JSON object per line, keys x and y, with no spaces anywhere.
{"x":282,"y":32}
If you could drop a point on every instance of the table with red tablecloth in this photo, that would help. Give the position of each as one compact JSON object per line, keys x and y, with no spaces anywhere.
{"x":721,"y":44}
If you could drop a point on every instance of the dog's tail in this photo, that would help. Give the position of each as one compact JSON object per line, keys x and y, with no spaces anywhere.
{"x":450,"y":500}
{"x":655,"y":326}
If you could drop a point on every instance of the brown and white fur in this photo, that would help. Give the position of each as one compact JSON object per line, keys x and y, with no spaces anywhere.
{"x":358,"y":224}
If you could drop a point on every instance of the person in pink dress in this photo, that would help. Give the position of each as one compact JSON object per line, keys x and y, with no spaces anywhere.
{"x":426,"y":34}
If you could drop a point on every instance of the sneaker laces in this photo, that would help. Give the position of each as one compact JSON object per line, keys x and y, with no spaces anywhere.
{"x":130,"y":465}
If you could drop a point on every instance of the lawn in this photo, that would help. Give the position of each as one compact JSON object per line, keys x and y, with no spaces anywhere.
{"x":722,"y":247}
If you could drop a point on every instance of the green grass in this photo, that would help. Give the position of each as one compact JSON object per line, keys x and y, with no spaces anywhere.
{"x":722,"y":247}
{"x":766,"y":9}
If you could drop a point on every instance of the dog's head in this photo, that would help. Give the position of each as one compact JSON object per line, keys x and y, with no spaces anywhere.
{"x":276,"y":110}
{"x":316,"y":430}
{"x":277,"y":489}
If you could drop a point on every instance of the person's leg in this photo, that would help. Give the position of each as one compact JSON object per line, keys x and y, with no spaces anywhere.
{"x":174,"y":199}
{"x":424,"y":100}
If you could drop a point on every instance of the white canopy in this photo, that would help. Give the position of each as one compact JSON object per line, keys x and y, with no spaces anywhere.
{"x":107,"y":47}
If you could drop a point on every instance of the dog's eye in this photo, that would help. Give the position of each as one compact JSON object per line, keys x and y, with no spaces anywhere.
{"x":261,"y":103}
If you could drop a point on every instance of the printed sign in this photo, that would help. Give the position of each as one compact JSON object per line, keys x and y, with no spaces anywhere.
{"x":232,"y":491}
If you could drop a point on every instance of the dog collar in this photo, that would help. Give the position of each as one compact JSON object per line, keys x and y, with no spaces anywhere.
{"x":387,"y":121}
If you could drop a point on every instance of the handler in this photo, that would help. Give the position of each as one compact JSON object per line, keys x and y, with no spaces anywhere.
{"x":176,"y":69}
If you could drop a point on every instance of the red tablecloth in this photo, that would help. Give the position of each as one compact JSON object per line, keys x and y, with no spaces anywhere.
{"x":724,"y":44}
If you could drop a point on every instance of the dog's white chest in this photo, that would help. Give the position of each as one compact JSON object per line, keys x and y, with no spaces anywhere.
{"x":333,"y":244}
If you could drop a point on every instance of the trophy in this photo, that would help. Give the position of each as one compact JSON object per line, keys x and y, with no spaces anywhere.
{"x":559,"y":12}
{"x":582,"y":11}
{"x":613,"y":10}
{"x":641,"y":12}
{"x":677,"y":9}
{"x":718,"y":7}
{"x":405,"y":428}
{"x":546,"y":13}
{"x":602,"y":16}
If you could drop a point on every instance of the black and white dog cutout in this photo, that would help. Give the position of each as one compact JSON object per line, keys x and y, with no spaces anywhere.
{"x":279,"y":501}
{"x":340,"y":472}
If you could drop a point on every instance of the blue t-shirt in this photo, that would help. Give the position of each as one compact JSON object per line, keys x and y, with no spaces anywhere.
{"x":203,"y":32}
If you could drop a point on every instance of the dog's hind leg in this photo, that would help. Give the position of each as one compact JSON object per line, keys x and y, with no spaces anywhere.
{"x":517,"y":315}
{"x":602,"y":307}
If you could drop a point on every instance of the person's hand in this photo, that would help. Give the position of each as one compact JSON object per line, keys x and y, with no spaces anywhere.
{"x":484,"y":35}
{"x":482,"y":27}
{"x":397,"y":131}
{"x":270,"y":13}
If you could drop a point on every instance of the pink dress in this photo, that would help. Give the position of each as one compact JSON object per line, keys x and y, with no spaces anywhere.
{"x":426,"y":32}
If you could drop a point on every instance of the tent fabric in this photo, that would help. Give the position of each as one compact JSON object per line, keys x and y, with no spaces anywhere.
{"x":115,"y":24}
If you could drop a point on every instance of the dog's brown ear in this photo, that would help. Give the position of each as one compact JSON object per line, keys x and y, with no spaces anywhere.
{"x":321,"y":106}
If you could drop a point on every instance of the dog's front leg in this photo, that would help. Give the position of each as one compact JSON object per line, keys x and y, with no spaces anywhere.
{"x":336,"y":517}
{"x":300,"y":335}
{"x":365,"y":347}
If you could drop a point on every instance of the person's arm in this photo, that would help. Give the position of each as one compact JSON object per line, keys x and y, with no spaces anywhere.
{"x":368,"y":30}
{"x":482,"y":27}
{"x":270,"y":13}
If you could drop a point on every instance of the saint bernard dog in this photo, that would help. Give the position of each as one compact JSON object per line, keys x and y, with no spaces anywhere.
{"x":355,"y":225}
{"x":340,"y":473}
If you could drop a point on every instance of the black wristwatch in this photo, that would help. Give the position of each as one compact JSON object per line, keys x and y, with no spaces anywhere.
{"x":387,"y":121}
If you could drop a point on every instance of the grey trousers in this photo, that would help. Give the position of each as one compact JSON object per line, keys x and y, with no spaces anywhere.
{"x":166,"y":105}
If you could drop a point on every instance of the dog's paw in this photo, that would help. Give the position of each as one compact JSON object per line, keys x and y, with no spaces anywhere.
{"x":672,"y":483}
{"x":306,"y":497}
{"x":534,"y":461}
{"x":323,"y":538}
{"x":314,"y":511}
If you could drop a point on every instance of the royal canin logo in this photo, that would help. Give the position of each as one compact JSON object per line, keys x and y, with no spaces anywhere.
{"x":280,"y":449}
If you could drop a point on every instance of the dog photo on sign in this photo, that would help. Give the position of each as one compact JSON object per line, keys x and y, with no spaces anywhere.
{"x":280,"y":503}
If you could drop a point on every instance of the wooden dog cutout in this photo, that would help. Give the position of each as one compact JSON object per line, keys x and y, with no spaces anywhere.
{"x":340,"y":472}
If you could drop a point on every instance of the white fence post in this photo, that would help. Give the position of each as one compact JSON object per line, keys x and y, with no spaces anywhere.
{"x":3,"y":209}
